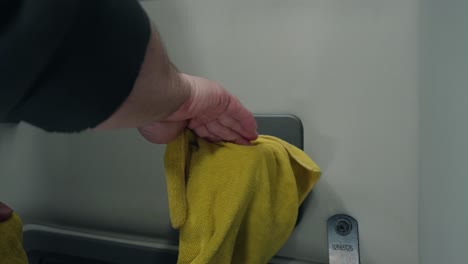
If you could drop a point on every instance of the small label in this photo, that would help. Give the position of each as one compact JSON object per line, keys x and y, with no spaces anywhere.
{"x":342,"y":247}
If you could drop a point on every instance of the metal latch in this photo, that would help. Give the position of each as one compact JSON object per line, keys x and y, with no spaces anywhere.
{"x":343,"y":240}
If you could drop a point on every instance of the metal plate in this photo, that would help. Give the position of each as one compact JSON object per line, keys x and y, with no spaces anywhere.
{"x":286,"y":127}
{"x":343,"y":240}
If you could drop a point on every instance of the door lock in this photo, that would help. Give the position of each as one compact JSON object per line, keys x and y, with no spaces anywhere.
{"x":343,"y":240}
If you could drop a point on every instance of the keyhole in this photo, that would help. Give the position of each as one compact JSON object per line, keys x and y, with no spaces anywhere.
{"x":343,"y":227}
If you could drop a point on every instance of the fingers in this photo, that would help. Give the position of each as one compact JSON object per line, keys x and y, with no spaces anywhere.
{"x":203,"y":132}
{"x":246,"y":127}
{"x":216,"y":132}
{"x":226,"y":134}
{"x":236,"y":124}
{"x":215,"y":114}
{"x":239,"y":119}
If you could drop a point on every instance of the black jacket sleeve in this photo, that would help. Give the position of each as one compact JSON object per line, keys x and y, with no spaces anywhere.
{"x":67,"y":65}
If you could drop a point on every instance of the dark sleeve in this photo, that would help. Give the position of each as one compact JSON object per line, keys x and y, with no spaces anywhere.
{"x":67,"y":65}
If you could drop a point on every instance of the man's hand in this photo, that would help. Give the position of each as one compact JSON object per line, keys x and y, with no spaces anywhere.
{"x":163,"y":102}
{"x":210,"y":111}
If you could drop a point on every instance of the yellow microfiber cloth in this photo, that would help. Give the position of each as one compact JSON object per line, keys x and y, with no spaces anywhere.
{"x":11,"y":242}
{"x":232,"y":203}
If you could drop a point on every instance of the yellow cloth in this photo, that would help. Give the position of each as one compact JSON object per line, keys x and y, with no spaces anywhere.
{"x":232,"y":203}
{"x":11,"y":242}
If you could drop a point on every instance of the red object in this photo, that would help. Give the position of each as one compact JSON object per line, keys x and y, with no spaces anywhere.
{"x":5,"y":212}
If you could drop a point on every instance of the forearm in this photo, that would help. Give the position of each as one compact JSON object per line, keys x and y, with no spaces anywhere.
{"x":68,"y":65}
{"x":158,"y":91}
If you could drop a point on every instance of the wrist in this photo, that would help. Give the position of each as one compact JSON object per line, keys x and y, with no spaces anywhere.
{"x":158,"y":91}
{"x":184,"y":111}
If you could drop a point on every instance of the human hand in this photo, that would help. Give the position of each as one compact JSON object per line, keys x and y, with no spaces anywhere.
{"x":210,"y":111}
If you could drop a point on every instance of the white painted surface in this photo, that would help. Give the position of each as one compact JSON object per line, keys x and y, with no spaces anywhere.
{"x":348,"y":69}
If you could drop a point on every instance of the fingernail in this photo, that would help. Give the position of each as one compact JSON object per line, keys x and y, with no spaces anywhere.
{"x":255,"y":136}
{"x":5,"y":212}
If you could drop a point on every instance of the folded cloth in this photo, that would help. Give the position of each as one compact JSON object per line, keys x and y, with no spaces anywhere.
{"x":11,"y":241}
{"x":233,"y":203}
